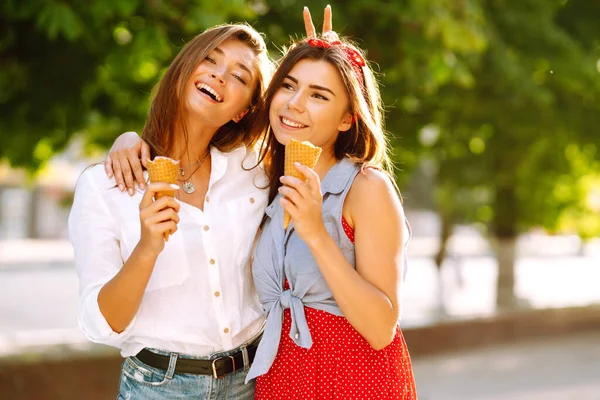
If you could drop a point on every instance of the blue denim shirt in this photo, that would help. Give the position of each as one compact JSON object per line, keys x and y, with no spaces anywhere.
{"x":282,"y":254}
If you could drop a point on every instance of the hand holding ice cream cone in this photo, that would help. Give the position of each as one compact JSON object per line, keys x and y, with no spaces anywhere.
{"x":304,"y":153}
{"x":163,"y":169}
{"x":157,"y":217}
{"x":303,"y":201}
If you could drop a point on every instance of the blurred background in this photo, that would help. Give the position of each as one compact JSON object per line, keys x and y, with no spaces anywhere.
{"x":493,"y":112}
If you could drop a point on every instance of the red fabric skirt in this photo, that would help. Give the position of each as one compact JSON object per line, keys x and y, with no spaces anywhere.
{"x":339,"y":365}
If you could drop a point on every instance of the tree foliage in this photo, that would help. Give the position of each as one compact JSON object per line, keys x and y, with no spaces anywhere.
{"x":86,"y":66}
{"x":489,"y":97}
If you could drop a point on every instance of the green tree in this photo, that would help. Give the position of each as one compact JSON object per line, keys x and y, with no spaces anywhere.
{"x":78,"y":65}
{"x":535,"y":93}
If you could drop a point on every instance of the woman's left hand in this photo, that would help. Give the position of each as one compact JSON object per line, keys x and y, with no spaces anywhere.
{"x":303,"y":201}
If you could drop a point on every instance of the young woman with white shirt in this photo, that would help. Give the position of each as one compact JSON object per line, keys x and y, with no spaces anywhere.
{"x":184,"y":314}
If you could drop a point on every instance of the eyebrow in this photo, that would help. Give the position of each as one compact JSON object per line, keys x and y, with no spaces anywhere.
{"x":317,"y":87}
{"x":240,"y":64}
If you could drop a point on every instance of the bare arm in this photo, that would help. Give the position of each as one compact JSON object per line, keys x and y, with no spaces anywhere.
{"x":368,"y":295}
{"x":120,"y":298}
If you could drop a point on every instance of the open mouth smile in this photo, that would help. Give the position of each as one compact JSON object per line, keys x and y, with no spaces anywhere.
{"x":291,"y":124}
{"x":209,"y":91}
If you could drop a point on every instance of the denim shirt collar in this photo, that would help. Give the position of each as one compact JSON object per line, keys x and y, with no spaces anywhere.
{"x":335,"y":181}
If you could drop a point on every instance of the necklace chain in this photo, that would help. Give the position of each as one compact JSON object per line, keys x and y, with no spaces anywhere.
{"x":188,"y":186}
{"x":182,"y":169}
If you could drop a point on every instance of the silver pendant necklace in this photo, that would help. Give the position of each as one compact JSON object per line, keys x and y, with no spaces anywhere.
{"x":188,"y":186}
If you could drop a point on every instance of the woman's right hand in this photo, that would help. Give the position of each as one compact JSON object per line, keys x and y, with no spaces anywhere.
{"x":123,"y":161}
{"x":157,"y":217}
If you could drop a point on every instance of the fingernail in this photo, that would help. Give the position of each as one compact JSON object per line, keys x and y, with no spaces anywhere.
{"x":109,"y":175}
{"x":121,"y":187}
{"x":305,"y":8}
{"x":174,"y":186}
{"x":297,"y":164}
{"x":328,"y":6}
{"x":130,"y":191}
{"x":281,"y":178}
{"x":142,"y":185}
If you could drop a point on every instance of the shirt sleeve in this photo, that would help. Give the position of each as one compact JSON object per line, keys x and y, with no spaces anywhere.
{"x":94,"y":233}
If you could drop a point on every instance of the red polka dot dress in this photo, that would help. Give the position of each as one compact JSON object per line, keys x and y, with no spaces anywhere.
{"x":339,"y":365}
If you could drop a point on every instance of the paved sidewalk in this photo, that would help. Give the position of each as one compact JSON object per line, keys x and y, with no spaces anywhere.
{"x":563,"y":368}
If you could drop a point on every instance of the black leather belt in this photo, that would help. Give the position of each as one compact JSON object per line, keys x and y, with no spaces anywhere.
{"x":218,"y":367}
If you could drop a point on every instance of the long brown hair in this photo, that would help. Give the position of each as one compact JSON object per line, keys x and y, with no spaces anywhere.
{"x":365,"y":143}
{"x":167,"y":106}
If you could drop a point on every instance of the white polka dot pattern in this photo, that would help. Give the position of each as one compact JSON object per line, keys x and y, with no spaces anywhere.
{"x":348,"y":230}
{"x":339,"y":365}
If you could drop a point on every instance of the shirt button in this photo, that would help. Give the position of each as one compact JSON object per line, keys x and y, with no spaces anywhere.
{"x":206,"y":227}
{"x":212,"y":261}
{"x":217,"y":294}
{"x":296,"y":336}
{"x":226,"y":330}
{"x":252,"y":200}
{"x":207,"y":199}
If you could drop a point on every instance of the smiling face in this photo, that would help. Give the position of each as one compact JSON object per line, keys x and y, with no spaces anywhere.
{"x":311,"y":105}
{"x":221,"y":87}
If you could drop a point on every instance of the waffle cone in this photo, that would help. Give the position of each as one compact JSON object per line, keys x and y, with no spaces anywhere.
{"x":163,"y":169}
{"x":303,"y":152}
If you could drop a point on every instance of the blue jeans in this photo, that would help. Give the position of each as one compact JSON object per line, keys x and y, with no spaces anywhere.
{"x":140,"y":381}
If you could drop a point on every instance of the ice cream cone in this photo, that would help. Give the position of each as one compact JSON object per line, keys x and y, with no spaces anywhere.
{"x":163,"y":169}
{"x":303,"y":152}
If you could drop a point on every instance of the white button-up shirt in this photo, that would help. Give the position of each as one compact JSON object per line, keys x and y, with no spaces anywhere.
{"x":200,"y":298}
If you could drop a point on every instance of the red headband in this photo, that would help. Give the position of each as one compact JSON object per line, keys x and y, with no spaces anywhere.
{"x":354,"y":58}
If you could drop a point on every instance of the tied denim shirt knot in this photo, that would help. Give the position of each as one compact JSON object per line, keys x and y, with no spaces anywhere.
{"x":299,"y":332}
{"x":275,"y":301}
{"x":286,"y":299}
{"x":269,"y":343}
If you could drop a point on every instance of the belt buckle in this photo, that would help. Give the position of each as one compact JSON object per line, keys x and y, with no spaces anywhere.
{"x":214,"y":367}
